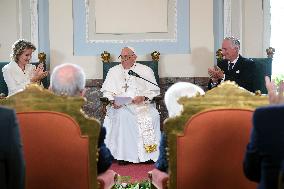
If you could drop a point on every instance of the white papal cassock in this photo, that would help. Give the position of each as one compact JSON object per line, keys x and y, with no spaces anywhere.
{"x":133,"y":131}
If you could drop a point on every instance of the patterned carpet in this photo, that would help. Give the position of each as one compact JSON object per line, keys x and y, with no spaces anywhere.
{"x":137,"y":171}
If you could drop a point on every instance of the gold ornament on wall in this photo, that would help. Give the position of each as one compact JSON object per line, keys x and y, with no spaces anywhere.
{"x":155,"y":56}
{"x":105,"y":56}
{"x":42,"y":57}
{"x":270,"y":52}
{"x":219,"y":55}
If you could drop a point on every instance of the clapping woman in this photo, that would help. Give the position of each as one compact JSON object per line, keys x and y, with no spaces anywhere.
{"x":19,"y":72}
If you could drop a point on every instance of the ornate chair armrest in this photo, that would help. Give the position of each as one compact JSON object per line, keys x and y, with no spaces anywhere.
{"x":2,"y":96}
{"x":107,"y":179}
{"x":158,"y":178}
{"x":104,"y":100}
{"x":157,"y":99}
{"x":104,"y":103}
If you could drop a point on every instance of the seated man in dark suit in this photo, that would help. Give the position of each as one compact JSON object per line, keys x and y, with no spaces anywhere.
{"x":265,"y":153}
{"x":69,"y":80}
{"x":12,"y":166}
{"x":234,"y":67}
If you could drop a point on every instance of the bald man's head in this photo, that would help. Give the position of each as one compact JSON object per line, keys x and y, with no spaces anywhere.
{"x":67,"y":79}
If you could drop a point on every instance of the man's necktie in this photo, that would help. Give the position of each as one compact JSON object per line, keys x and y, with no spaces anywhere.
{"x":231,"y":66}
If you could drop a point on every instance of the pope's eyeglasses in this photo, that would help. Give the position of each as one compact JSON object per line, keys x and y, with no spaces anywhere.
{"x":125,"y":57}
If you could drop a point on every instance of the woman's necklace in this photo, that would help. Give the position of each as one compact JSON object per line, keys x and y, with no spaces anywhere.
{"x":22,"y":67}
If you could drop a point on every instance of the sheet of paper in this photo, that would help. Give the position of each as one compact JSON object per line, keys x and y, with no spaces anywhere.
{"x":122,"y":100}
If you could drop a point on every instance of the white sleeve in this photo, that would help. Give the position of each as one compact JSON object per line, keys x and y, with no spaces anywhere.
{"x":108,"y":95}
{"x":10,"y":82}
{"x":108,"y":88}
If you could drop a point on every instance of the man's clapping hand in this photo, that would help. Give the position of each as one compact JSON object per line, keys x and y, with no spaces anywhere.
{"x":215,"y":73}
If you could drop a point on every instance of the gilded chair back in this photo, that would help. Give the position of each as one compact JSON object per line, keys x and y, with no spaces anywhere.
{"x":55,"y":152}
{"x":211,"y":150}
{"x":60,"y":143}
{"x":184,"y":139}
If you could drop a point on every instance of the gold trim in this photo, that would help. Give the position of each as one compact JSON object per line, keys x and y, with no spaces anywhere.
{"x":226,"y":95}
{"x":35,"y":97}
{"x":42,"y":57}
{"x":270,"y":52}
{"x":155,"y":56}
{"x":219,"y":55}
{"x":150,"y":148}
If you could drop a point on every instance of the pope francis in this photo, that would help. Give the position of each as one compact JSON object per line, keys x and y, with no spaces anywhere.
{"x":132,"y":123}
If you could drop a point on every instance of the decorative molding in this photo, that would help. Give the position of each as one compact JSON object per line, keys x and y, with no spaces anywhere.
{"x":134,"y":38}
{"x":87,"y":19}
{"x":83,"y":46}
{"x":34,"y":21}
{"x":227,"y":18}
{"x":33,"y":13}
{"x":266,"y":25}
{"x":34,"y":26}
{"x":20,"y":14}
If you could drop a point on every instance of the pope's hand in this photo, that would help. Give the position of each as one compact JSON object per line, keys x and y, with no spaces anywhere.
{"x":138,"y":99}
{"x":115,"y":106}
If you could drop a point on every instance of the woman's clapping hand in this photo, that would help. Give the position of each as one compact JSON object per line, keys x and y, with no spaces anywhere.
{"x":39,"y":73}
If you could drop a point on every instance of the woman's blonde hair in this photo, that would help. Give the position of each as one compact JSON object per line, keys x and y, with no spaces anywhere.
{"x":18,"y":48}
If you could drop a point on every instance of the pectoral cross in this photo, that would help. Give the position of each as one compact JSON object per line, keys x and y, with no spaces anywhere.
{"x":125,"y":87}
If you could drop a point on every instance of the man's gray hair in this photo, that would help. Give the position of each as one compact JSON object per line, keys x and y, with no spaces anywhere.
{"x":67,"y":79}
{"x":235,"y":42}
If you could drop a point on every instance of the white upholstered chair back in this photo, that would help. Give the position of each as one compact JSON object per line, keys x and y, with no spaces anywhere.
{"x":176,"y":91}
